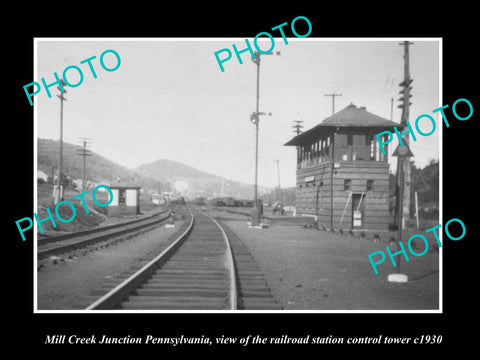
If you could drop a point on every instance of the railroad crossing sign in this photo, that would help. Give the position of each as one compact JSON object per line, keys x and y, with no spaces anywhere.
{"x":403,"y":151}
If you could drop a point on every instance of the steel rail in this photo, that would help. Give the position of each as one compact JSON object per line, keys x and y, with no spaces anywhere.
{"x":42,"y":254}
{"x":95,"y":230}
{"x":233,"y":274}
{"x":110,"y":299}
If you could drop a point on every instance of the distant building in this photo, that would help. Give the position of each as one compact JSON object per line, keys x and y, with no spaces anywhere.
{"x":41,"y":176}
{"x":158,"y":199}
{"x":126,"y":199}
{"x":342,"y":175}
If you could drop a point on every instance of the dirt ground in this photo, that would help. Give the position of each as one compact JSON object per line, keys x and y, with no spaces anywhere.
{"x":306,"y":268}
{"x":62,"y":286}
{"x":309,"y":269}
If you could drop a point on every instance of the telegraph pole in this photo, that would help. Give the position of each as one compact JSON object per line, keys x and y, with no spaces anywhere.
{"x":278,"y":177}
{"x":298,"y":126}
{"x":53,"y":175}
{"x":404,"y":166}
{"x":391,"y":109}
{"x":59,"y":193}
{"x":298,"y":130}
{"x":332,"y":161}
{"x":333,"y":100}
{"x":84,"y":152}
{"x":278,"y":171}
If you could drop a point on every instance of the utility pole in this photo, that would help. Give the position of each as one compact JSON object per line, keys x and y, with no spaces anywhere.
{"x":53,"y":175}
{"x":404,"y":166}
{"x":59,"y":193}
{"x":255,"y":119}
{"x":391,"y":109}
{"x":278,"y":177}
{"x":333,"y":100}
{"x":298,"y":126}
{"x":278,"y":172}
{"x":298,"y":130}
{"x":84,"y":152}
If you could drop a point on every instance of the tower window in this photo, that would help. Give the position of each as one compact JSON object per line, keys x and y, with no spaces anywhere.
{"x":369,"y":185}
{"x":347,"y":184}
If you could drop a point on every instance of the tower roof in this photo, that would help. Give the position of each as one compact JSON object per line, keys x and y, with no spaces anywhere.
{"x":349,"y":117}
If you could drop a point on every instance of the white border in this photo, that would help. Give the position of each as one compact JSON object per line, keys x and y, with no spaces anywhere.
{"x":372,"y":39}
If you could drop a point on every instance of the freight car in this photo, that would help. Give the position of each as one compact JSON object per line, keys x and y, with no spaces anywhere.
{"x":224,"y":201}
{"x":244,"y":203}
{"x":178,"y":201}
{"x":199,"y":201}
{"x":231,"y":202}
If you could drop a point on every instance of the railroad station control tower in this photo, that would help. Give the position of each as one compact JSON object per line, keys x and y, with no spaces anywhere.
{"x":342,"y":174}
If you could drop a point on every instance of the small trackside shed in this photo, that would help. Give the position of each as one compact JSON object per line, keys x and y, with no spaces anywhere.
{"x":342,"y":175}
{"x":126,"y":199}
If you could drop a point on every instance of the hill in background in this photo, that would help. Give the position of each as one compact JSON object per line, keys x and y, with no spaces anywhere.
{"x":197,"y":183}
{"x":98,"y":168}
{"x":426,"y":182}
{"x":161,"y":175}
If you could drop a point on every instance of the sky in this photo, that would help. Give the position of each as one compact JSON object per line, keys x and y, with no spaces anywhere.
{"x":169,"y":99}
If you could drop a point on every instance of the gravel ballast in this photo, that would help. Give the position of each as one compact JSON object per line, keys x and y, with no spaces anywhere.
{"x":60,"y":286}
{"x":306,"y":269}
{"x":310,"y":269}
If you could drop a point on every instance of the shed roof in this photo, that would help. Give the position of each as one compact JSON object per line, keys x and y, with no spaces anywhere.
{"x":351,"y":116}
{"x":124,"y":185}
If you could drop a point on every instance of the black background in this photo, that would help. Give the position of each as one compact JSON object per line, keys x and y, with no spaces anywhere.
{"x":26,"y":331}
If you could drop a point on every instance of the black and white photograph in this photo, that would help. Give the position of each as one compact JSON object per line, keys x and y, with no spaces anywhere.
{"x":256,"y":186}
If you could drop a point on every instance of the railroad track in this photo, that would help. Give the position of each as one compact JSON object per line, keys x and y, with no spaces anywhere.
{"x":103,"y":236}
{"x":62,"y":237}
{"x":197,"y":271}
